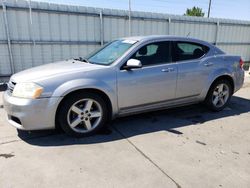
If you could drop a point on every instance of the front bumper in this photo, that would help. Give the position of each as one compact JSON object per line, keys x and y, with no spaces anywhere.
{"x":31,"y":114}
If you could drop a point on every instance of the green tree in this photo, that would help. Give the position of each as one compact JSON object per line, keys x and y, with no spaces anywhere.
{"x":195,"y":11}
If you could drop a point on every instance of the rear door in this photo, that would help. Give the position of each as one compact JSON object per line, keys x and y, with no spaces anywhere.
{"x":193,"y":69}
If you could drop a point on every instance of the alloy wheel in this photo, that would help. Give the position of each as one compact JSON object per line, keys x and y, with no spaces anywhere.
{"x":84,"y":115}
{"x":220,"y":95}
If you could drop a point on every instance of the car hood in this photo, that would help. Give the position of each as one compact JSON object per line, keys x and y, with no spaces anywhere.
{"x":53,"y":69}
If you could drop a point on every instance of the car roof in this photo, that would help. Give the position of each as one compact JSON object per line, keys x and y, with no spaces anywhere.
{"x":172,"y":37}
{"x":159,"y":37}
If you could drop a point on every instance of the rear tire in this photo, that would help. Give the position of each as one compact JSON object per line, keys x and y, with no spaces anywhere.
{"x":82,"y":114}
{"x":219,"y":95}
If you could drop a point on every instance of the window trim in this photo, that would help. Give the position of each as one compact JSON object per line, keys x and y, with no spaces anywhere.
{"x":146,"y":44}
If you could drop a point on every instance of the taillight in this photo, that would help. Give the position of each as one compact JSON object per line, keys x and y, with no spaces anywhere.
{"x":241,"y":63}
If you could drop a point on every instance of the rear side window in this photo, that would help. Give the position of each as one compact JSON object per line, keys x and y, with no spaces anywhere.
{"x":188,"y":51}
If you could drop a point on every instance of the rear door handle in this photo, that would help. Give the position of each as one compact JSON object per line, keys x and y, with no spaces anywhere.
{"x":167,"y":70}
{"x":208,"y":64}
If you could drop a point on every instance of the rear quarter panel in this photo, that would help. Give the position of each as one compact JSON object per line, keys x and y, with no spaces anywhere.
{"x":224,"y":65}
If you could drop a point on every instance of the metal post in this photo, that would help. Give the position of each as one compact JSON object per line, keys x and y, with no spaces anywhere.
{"x":32,"y":34}
{"x":30,"y":12}
{"x":169,"y":25}
{"x":209,"y":8}
{"x":217,"y":32}
{"x":101,"y":29}
{"x":129,"y":17}
{"x":8,"y":38}
{"x":31,"y":23}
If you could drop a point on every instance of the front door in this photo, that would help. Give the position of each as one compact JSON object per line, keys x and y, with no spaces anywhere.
{"x":153,"y":83}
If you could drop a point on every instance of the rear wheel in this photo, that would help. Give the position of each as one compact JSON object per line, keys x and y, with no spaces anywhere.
{"x":82,"y":114}
{"x":219,"y":95}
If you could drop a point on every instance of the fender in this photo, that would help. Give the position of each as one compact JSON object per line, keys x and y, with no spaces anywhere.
{"x":86,"y":83}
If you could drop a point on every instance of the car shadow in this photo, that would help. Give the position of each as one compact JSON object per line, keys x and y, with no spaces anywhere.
{"x":164,"y":120}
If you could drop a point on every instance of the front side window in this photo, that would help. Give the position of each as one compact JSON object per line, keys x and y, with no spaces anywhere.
{"x":154,"y":53}
{"x":188,"y":50}
{"x":111,"y":52}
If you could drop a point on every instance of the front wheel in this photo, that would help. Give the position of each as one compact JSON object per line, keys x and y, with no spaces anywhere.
{"x":219,"y":95}
{"x":82,"y":114}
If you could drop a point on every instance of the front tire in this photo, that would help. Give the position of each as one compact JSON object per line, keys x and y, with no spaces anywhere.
{"x":219,"y":95}
{"x":82,"y":114}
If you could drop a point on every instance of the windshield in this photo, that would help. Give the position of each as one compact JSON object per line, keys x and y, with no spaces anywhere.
{"x":111,"y":52}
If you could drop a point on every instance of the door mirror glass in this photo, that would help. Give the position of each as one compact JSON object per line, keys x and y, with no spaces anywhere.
{"x":133,"y":64}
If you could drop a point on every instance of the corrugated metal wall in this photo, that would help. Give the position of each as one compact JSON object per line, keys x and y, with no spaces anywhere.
{"x":39,"y":33}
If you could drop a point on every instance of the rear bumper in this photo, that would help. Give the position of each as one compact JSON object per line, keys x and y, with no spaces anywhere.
{"x":239,"y":80}
{"x":30,"y":114}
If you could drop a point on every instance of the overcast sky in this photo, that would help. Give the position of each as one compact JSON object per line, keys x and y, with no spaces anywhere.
{"x":232,"y":9}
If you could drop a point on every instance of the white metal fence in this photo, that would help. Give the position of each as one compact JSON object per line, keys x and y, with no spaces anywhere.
{"x":36,"y":33}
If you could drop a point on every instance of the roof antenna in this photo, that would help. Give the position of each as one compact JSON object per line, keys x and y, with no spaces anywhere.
{"x":188,"y":34}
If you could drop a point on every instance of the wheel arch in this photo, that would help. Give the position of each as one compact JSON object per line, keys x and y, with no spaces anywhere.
{"x":90,"y":90}
{"x":222,"y":77}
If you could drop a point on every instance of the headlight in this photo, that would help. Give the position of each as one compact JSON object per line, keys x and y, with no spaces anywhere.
{"x":27,"y":90}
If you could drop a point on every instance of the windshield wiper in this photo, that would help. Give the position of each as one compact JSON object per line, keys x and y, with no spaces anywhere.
{"x":82,"y":60}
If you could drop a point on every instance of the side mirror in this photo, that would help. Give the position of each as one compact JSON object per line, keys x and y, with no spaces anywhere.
{"x":133,"y":64}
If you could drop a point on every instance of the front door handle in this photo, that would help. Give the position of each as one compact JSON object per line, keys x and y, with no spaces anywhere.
{"x":167,"y":70}
{"x":208,"y":64}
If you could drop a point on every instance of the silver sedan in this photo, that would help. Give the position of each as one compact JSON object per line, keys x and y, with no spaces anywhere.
{"x":126,"y":76}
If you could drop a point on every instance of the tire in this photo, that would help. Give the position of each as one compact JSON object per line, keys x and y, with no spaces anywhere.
{"x":220,"y":91}
{"x":82,"y":114}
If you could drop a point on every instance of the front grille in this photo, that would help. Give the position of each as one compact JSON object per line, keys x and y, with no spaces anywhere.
{"x":11,"y":86}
